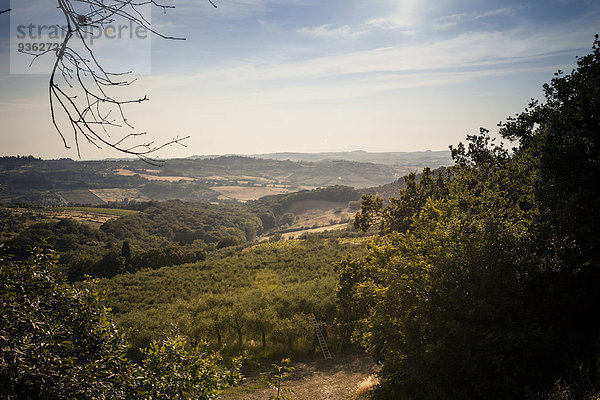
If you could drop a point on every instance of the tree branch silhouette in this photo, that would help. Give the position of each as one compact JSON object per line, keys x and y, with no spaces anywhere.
{"x":80,"y":87}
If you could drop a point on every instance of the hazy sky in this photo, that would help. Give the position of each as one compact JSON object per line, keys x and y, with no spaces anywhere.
{"x":259,"y":76}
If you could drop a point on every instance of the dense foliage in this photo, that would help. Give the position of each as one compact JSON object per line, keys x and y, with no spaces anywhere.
{"x":483,"y":281}
{"x":163,"y":233}
{"x":184,"y":223}
{"x":176,"y":371}
{"x":54,"y":337}
{"x":259,"y":297}
{"x":159,"y":234}
{"x":59,"y":342}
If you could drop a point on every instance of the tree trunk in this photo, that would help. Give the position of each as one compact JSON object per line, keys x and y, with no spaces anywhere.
{"x":239,"y":332}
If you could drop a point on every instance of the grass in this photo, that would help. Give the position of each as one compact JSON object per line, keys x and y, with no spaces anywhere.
{"x":365,"y":386}
{"x":355,"y":240}
{"x":107,"y":211}
{"x":81,"y":197}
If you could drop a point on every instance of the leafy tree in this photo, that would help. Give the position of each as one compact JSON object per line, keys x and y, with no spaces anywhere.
{"x":397,"y":216}
{"x":268,"y":220}
{"x":237,"y":320}
{"x":175,"y":370}
{"x":276,"y":380}
{"x":482,"y":283}
{"x":218,"y":323}
{"x":113,"y":263}
{"x":57,"y":341}
{"x":290,"y":329}
{"x":228,"y":242}
{"x":126,"y":252}
{"x":169,"y":255}
{"x":262,"y":321}
{"x":287,"y":219}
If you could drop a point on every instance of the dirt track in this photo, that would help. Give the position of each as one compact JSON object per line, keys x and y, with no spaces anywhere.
{"x":317,"y":380}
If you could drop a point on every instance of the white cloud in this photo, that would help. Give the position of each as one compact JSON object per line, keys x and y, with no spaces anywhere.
{"x":449,"y":21}
{"x":477,"y":50}
{"x":369,"y":86}
{"x":399,"y":15}
{"x":344,"y":32}
{"x":369,"y":74}
{"x":351,"y":32}
{"x":496,"y":12}
{"x":227,"y":10}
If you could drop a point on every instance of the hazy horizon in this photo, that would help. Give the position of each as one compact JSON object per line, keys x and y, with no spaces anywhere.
{"x":249,"y":155}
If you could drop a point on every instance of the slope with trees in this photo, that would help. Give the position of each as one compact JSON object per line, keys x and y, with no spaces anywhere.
{"x":258,"y":298}
{"x":483,"y":283}
{"x":163,"y":233}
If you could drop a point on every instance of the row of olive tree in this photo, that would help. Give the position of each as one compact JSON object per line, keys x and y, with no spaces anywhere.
{"x":266,"y":292}
{"x":251,"y":324}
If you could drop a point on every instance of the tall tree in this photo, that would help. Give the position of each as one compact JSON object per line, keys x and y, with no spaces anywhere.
{"x":126,"y":252}
{"x":487,"y":287}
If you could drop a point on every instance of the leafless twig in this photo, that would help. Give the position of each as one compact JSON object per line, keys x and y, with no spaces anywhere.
{"x":80,"y":87}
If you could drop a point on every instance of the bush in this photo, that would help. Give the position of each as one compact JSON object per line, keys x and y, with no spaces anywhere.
{"x":59,"y":342}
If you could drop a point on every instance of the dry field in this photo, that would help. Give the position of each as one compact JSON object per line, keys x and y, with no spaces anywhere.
{"x":295,"y":234}
{"x":84,"y":214}
{"x":319,"y":213}
{"x":339,"y":379}
{"x":126,"y":172}
{"x":117,"y":195}
{"x":248,"y":178}
{"x":246,"y":193}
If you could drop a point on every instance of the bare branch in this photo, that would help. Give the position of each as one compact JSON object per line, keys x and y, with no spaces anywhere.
{"x":79,"y":86}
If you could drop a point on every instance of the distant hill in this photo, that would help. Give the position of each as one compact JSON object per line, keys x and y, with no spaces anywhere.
{"x":404,"y":162}
{"x":29,"y":180}
{"x":222,"y":179}
{"x":429,"y":158}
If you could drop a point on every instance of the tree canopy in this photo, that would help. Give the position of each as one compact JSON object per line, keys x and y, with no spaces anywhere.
{"x":482,"y":282}
{"x":59,"y":342}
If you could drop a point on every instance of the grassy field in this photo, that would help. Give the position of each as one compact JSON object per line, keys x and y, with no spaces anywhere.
{"x":90,"y":215}
{"x":105,"y":211}
{"x":119,"y":194}
{"x":83,"y":196}
{"x":296,"y":234}
{"x":126,"y":172}
{"x":245,"y":193}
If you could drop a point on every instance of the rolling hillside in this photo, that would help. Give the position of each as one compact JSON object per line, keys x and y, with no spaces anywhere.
{"x":29,"y":180}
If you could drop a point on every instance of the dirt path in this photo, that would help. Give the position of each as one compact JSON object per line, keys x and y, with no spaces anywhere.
{"x":316,"y":380}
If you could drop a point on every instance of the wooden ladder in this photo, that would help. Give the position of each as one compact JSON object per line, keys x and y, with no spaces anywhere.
{"x":322,"y":342}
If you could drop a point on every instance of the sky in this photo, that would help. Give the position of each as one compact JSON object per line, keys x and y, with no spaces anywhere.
{"x":259,"y":76}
